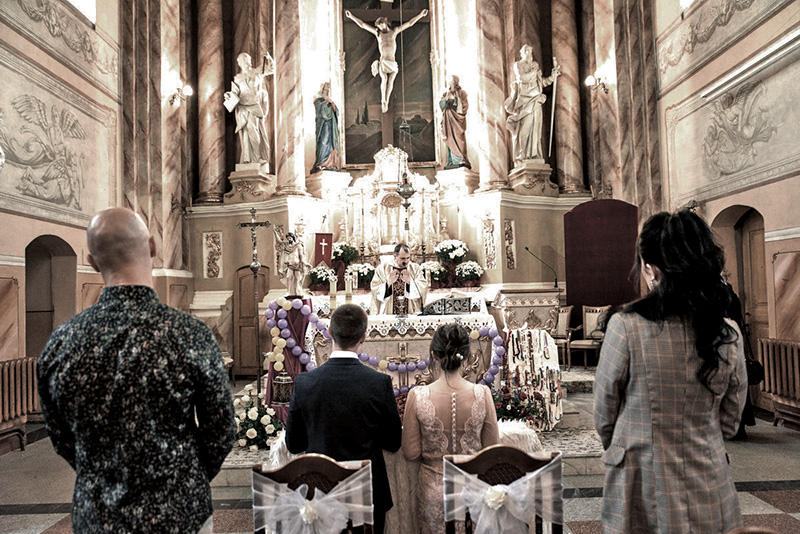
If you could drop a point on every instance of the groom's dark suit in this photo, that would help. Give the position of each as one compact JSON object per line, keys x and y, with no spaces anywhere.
{"x":347,"y":411}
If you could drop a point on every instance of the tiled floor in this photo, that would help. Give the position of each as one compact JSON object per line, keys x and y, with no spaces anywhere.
{"x":36,"y":487}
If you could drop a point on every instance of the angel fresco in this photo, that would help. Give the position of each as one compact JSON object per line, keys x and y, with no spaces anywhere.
{"x":53,"y":167}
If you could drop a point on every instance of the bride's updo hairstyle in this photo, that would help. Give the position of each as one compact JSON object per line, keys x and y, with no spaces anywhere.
{"x":450,"y":345}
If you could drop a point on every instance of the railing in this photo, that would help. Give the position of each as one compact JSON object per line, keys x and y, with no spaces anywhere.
{"x":18,"y":396}
{"x":781,"y":360}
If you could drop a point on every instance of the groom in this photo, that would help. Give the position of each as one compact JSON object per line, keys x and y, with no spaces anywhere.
{"x":346,"y":410}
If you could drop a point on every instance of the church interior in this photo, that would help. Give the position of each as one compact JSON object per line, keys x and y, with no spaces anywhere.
{"x":275,"y":147}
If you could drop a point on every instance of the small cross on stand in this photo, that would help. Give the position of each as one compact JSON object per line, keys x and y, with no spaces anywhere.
{"x":255,"y":266}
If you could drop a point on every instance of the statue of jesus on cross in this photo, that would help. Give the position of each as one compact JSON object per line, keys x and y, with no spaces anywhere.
{"x":386,"y":66}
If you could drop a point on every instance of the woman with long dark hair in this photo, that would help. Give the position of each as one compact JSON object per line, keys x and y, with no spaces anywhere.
{"x":450,"y":416}
{"x":671,"y":383}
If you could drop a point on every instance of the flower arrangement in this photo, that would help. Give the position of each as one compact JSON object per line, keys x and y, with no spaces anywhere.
{"x":344,"y":252}
{"x":451,"y":250}
{"x":256,"y":428}
{"x":321,"y":274}
{"x":364,"y":271}
{"x":517,"y":405}
{"x":438,"y":272}
{"x":469,"y":270}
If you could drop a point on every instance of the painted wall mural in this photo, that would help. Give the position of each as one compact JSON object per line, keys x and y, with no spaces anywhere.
{"x":742,"y":137}
{"x":707,"y":31}
{"x":59,"y":147}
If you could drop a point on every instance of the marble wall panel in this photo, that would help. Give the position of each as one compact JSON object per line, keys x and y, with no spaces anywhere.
{"x":786,"y":268}
{"x":744,"y":136}
{"x":60,"y":147}
{"x":54,"y":28}
{"x":708,"y":29}
{"x":9,"y":319}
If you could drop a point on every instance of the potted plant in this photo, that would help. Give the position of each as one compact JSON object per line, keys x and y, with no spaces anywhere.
{"x":343,"y":254}
{"x":364,"y":271}
{"x":320,"y":278}
{"x":451,"y":252}
{"x":437,"y":272}
{"x":468,"y":273}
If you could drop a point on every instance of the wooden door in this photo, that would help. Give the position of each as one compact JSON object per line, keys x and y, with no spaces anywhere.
{"x":245,"y":358}
{"x":754,"y":279}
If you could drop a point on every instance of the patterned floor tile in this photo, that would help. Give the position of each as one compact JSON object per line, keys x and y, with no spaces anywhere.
{"x":778,"y":522}
{"x":228,"y":521}
{"x":785,"y":501}
{"x":584,"y":527}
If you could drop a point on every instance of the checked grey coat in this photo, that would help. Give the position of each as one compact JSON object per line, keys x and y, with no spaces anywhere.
{"x":662,"y":430}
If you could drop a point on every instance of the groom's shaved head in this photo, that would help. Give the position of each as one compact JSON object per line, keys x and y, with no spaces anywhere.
{"x":118,"y":238}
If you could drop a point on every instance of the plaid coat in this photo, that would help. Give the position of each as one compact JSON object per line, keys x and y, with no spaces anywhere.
{"x":662,"y":430}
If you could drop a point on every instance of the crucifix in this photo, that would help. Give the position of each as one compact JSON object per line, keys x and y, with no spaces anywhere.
{"x":255,"y":266}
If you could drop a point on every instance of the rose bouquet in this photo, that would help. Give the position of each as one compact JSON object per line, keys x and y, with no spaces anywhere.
{"x":451,"y":250}
{"x":256,"y":428}
{"x":516,"y":405}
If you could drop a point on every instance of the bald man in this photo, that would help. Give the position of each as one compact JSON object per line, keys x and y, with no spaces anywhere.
{"x":135,"y":396}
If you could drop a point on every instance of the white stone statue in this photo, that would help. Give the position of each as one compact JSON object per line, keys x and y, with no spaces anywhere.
{"x":386,"y":66}
{"x":292,"y":264}
{"x":248,"y":99}
{"x":524,"y":106}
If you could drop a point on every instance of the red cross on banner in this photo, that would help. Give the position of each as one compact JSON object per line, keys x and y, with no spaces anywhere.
{"x":323,"y":247}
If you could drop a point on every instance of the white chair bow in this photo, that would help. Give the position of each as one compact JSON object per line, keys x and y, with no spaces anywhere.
{"x":275,"y":503}
{"x":504,"y":508}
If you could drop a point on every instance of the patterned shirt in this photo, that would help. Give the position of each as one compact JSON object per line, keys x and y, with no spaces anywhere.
{"x":136,"y":398}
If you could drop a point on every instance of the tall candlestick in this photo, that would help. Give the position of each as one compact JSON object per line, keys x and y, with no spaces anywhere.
{"x":348,"y":285}
{"x":332,"y":290}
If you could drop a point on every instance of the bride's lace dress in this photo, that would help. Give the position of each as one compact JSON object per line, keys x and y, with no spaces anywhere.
{"x":439,"y":423}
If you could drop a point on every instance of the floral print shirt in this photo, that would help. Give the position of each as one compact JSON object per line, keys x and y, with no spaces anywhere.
{"x":136,"y":398}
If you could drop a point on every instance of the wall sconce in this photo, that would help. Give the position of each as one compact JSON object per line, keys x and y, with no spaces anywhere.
{"x":596,"y":82}
{"x":181,"y":93}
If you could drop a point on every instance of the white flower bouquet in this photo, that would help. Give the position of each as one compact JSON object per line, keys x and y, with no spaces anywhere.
{"x":344,"y":251}
{"x":451,"y":250}
{"x":256,"y":428}
{"x":469,"y":270}
{"x":438,"y":272}
{"x":321,"y":274}
{"x":364,"y":271}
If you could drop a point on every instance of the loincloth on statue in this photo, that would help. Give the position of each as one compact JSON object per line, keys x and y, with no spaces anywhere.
{"x":385,"y":66}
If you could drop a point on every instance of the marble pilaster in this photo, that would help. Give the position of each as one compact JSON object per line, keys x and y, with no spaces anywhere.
{"x":170,"y":211}
{"x":142,"y":113}
{"x":567,"y":136}
{"x":156,"y":115}
{"x":211,"y":86}
{"x":491,"y":46}
{"x":604,"y":106}
{"x":289,"y":145}
{"x":128,"y":129}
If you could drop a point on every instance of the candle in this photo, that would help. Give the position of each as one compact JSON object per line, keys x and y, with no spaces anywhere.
{"x":348,"y":285}
{"x":333,"y":282}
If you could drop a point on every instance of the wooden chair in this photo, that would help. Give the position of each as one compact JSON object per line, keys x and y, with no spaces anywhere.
{"x":594,"y":324}
{"x":317,"y":471}
{"x":503,"y":464}
{"x":561,"y":332}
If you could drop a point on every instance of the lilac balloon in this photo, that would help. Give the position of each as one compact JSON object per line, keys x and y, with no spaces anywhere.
{"x":488,"y":377}
{"x":282,"y":323}
{"x":421,"y":365}
{"x":494,"y":369}
{"x":304,"y":359}
{"x":492,"y":332}
{"x":282,"y":314}
{"x":291,"y":343}
{"x":499,"y":350}
{"x":482,"y":382}
{"x":411,"y":367}
{"x":273,"y":305}
{"x":305,"y":309}
{"x":271,"y":323}
{"x":497,"y":360}
{"x":401,"y":368}
{"x":363,"y":356}
{"x":483,"y":330}
{"x":392,"y":366}
{"x":286,"y":333}
{"x":373,"y":360}
{"x":396,"y":392}
{"x":313,"y":318}
{"x":297,"y":350}
{"x":311,"y":366}
{"x":326,"y":334}
{"x":269,"y":314}
{"x":297,"y":303}
{"x":498,"y":341}
{"x":403,"y":389}
{"x":319,"y":325}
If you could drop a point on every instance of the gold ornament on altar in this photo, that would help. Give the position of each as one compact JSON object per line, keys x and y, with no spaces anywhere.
{"x":282,"y":386}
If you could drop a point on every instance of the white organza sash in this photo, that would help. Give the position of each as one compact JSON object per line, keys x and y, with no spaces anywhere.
{"x":351,"y":499}
{"x":503,"y":508}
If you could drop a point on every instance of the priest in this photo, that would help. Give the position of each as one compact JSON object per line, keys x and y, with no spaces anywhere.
{"x":399,"y":286}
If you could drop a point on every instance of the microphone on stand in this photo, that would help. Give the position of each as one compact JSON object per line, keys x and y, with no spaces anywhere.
{"x":555,"y":275}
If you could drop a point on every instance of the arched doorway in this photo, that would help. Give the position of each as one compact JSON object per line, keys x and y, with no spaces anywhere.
{"x":50,"y":276}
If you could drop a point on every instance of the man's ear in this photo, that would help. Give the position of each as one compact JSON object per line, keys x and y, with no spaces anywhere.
{"x":152,"y":242}
{"x":363,"y":338}
{"x":92,"y":262}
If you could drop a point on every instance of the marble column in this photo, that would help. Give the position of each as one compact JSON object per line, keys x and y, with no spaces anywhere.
{"x":567,"y":136}
{"x":211,"y":86}
{"x":604,"y":106}
{"x":290,"y":168}
{"x":173,"y":171}
{"x":493,"y":143}
{"x":521,"y":19}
